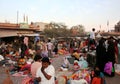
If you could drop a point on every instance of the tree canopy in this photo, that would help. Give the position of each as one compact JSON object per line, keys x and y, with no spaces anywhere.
{"x":54,"y":30}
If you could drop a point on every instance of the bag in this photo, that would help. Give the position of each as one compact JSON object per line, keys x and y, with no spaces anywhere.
{"x":113,"y":70}
{"x":108,"y":68}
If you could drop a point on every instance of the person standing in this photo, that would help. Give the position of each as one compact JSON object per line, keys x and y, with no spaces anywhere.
{"x":44,"y":52}
{"x":101,"y":54}
{"x":71,"y":46}
{"x":38,"y":47}
{"x":46,"y":73}
{"x":56,"y":47}
{"x":49,"y":48}
{"x":23,"y":49}
{"x":111,"y":54}
{"x":91,"y":38}
{"x":92,"y":35}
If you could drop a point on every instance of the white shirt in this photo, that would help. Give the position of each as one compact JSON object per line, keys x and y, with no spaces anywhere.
{"x":49,"y":45}
{"x":92,"y":35}
{"x":50,"y":70}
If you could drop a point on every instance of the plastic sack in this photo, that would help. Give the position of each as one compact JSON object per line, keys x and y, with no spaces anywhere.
{"x":108,"y":68}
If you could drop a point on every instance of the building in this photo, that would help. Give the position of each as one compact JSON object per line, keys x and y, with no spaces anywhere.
{"x":11,"y":29}
{"x":117,"y":27}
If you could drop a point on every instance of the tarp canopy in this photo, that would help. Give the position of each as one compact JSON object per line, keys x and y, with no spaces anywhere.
{"x":28,"y":34}
{"x":9,"y":33}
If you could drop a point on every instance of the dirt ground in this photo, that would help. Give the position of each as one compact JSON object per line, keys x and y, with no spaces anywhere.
{"x":57,"y":61}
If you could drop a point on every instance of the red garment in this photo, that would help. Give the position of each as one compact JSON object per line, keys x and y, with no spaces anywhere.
{"x":27,"y":52}
{"x":96,"y":80}
{"x":116,"y":50}
{"x":26,"y":66}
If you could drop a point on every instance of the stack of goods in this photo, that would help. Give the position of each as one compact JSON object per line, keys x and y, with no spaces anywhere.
{"x":21,"y":62}
{"x":81,"y":64}
{"x":62,"y":51}
{"x":65,"y":65}
{"x":80,"y":76}
{"x":76,"y":55}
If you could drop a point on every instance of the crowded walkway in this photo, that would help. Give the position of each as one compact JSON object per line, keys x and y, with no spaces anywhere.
{"x":72,"y":61}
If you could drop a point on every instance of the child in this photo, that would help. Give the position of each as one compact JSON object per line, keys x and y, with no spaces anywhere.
{"x":98,"y":77}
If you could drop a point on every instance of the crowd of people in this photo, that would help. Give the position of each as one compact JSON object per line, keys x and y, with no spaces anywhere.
{"x":40,"y":52}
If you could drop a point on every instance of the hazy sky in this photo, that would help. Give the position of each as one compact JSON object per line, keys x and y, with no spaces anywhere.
{"x":89,"y":13}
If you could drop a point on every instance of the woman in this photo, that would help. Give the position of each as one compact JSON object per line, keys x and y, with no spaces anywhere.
{"x":111,"y":54}
{"x":101,"y":55}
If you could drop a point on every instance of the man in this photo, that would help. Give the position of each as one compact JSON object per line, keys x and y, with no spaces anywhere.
{"x":92,"y":34}
{"x":91,"y":38}
{"x":49,"y":48}
{"x":46,"y":73}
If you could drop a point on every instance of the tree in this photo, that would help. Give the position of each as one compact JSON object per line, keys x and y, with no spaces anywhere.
{"x":77,"y":30}
{"x":54,"y":30}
